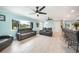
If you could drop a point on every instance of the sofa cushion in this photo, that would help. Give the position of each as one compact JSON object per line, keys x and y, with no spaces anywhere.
{"x":46,"y":31}
{"x":25,"y":33}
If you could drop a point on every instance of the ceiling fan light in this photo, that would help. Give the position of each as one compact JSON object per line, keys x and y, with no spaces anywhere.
{"x":38,"y":15}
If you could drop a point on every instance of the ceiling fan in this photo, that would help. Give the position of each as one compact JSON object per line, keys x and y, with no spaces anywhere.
{"x":49,"y":18}
{"x":39,"y":10}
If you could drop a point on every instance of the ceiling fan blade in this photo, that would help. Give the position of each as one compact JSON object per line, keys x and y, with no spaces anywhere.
{"x":42,"y":8}
{"x":37,"y":15}
{"x":37,"y":7}
{"x":32,"y":9}
{"x":49,"y":18}
{"x":32,"y":13}
{"x":42,"y":13}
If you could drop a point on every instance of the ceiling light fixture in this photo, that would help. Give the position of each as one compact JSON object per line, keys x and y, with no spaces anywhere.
{"x":72,"y":11}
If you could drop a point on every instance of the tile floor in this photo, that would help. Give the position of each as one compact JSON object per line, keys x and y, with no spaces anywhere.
{"x":39,"y":44}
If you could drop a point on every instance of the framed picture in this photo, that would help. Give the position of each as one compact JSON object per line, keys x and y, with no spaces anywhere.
{"x":2,"y":17}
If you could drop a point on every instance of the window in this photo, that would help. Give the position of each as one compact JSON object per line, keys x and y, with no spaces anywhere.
{"x":15,"y":25}
{"x":21,"y":24}
{"x":24,"y":24}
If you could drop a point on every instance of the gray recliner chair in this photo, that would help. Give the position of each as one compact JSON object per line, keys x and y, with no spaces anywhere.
{"x":5,"y":41}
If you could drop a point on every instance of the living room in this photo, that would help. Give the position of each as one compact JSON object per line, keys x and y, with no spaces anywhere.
{"x":35,"y":29}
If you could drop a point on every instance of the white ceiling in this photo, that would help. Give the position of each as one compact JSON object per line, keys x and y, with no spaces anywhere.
{"x":55,"y":12}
